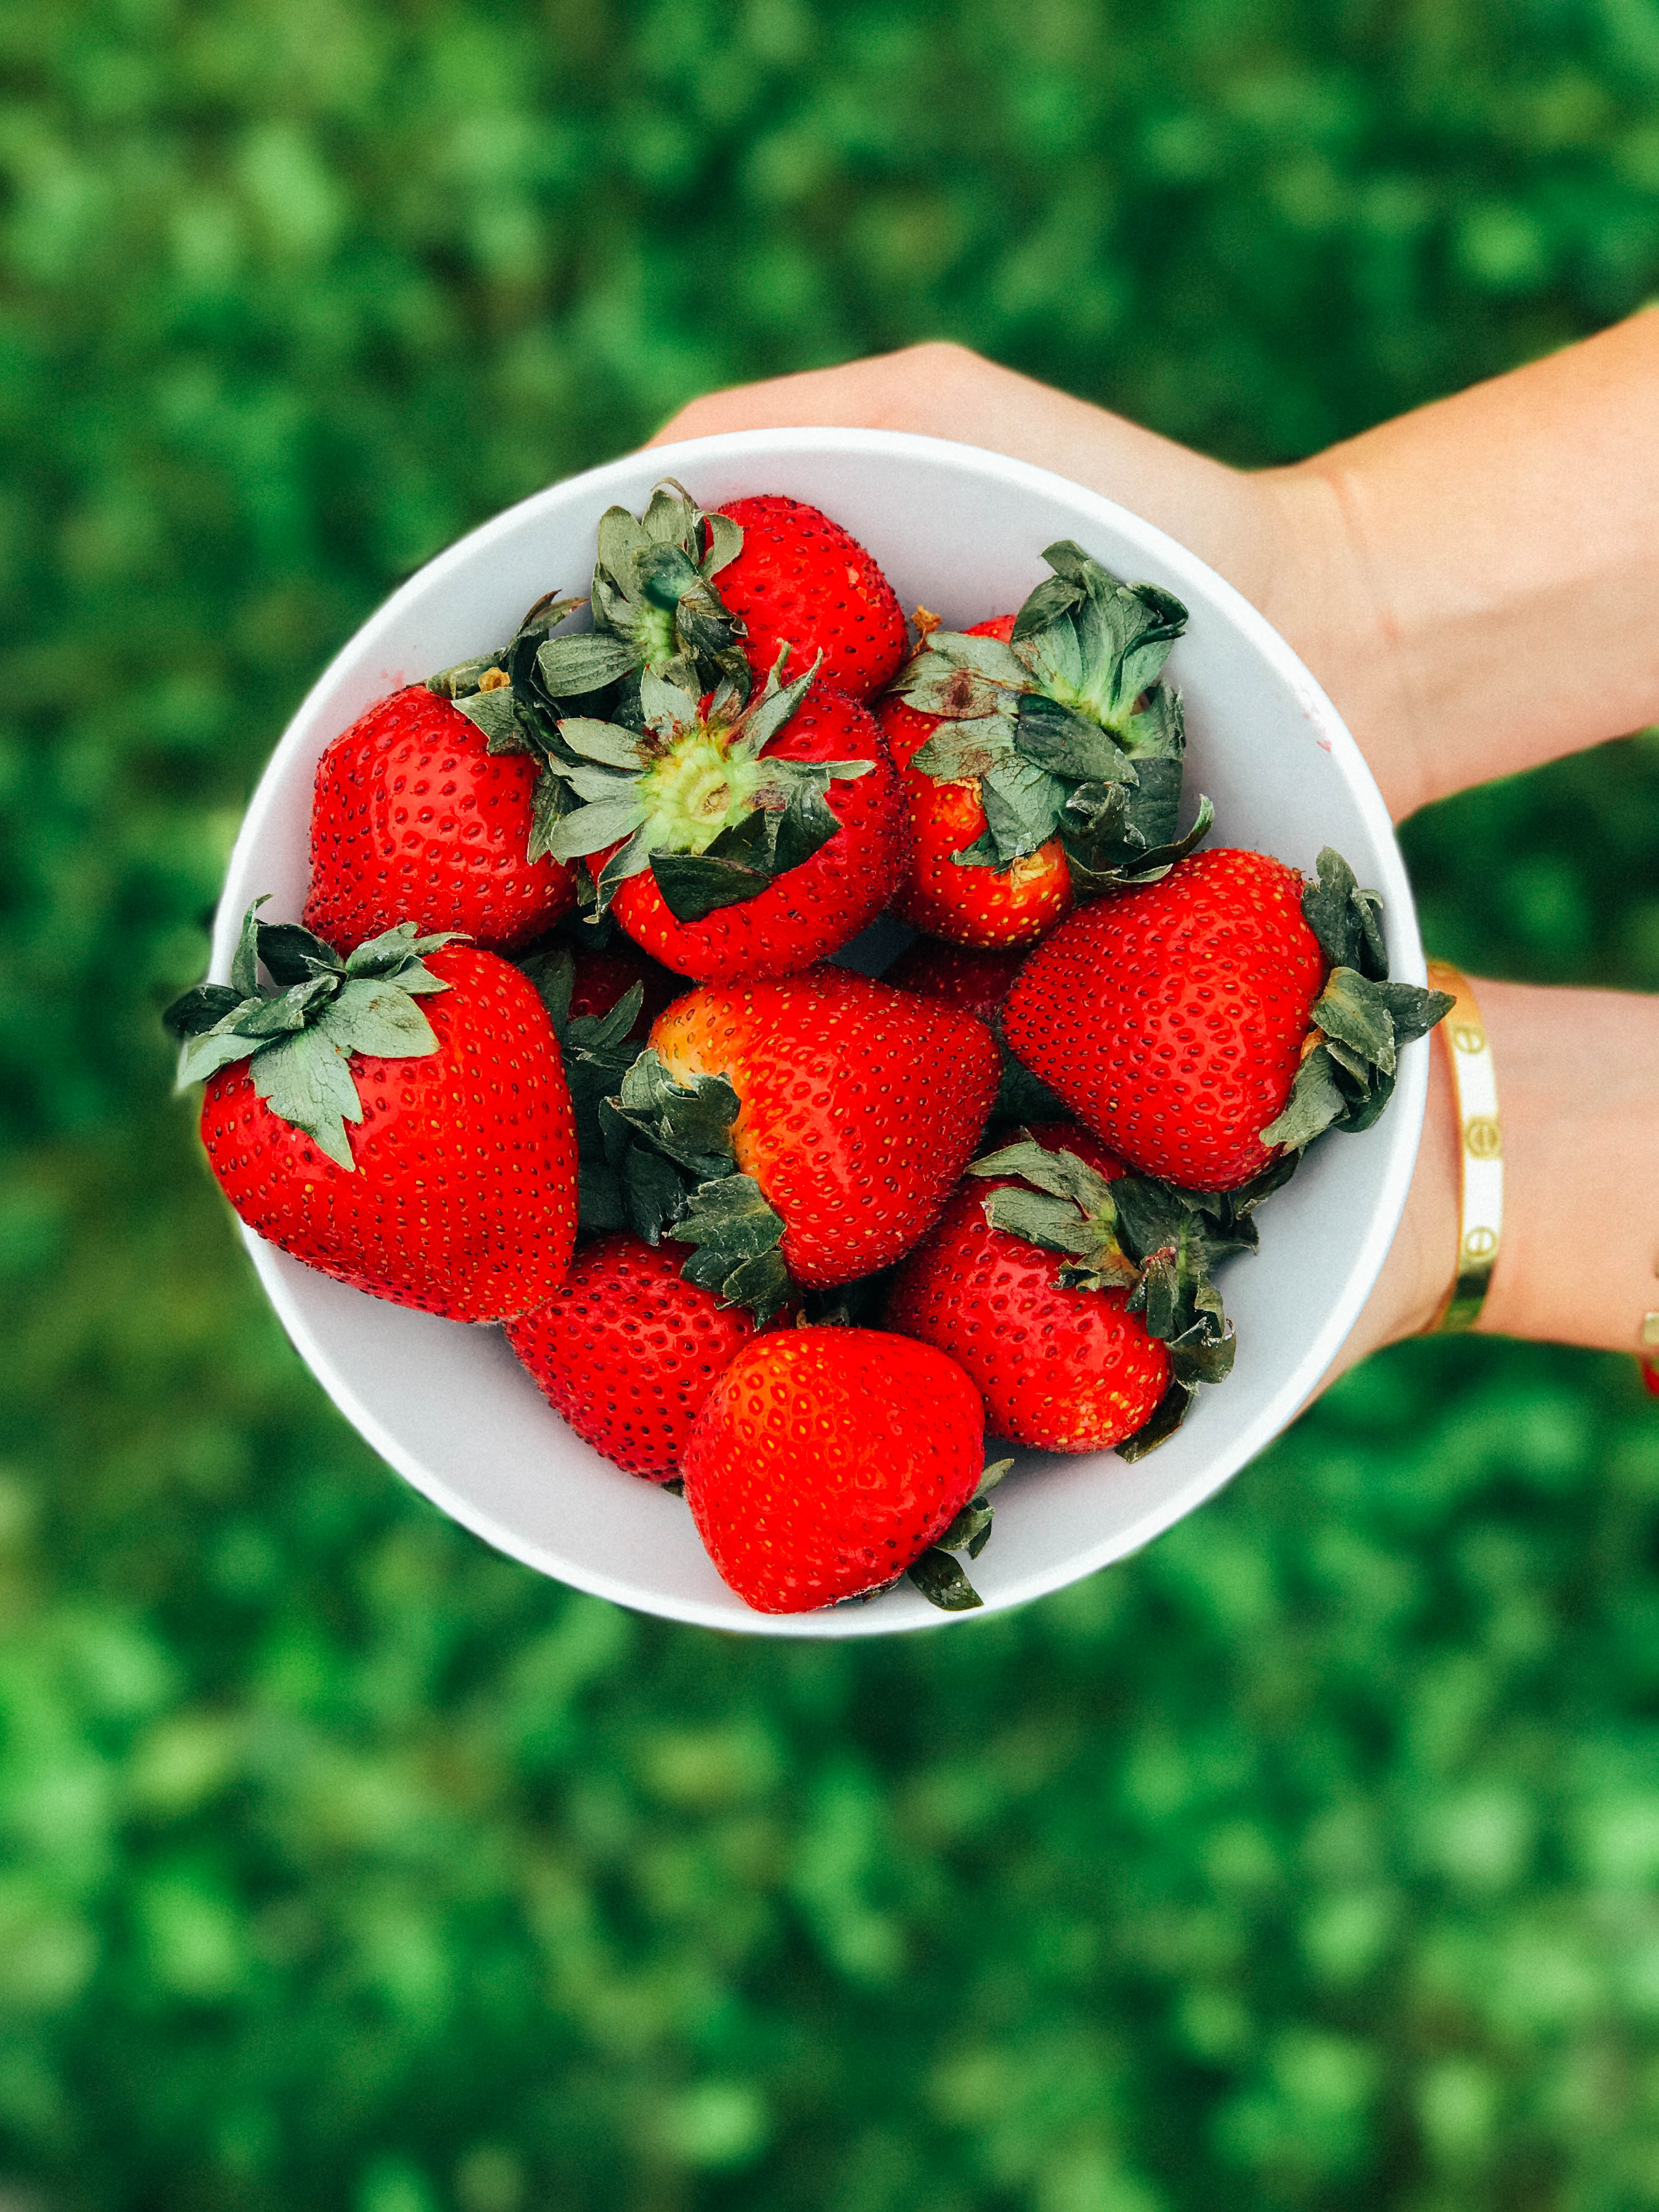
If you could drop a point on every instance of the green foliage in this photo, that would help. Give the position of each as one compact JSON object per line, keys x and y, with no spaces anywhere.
{"x":1308,"y":1861}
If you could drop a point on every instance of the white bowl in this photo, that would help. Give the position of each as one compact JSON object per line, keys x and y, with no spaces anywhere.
{"x":962,"y":532}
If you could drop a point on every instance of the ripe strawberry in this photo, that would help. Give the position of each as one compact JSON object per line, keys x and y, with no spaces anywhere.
{"x":844,"y":1104}
{"x":454,"y":1188}
{"x":973,"y":978}
{"x":994,"y":907}
{"x":826,"y":1462}
{"x":1210,"y":1026}
{"x":414,"y":819}
{"x":1064,"y":1367}
{"x":1057,"y":725}
{"x":802,"y":580}
{"x":1171,"y":1018}
{"x":627,"y":1351}
{"x":752,"y":864}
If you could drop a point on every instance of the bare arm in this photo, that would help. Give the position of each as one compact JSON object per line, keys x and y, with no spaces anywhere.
{"x":1578,"y":1100}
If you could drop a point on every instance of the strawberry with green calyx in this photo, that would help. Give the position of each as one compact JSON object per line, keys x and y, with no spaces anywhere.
{"x":397,"y":1118}
{"x":802,"y":583}
{"x":1066,"y":725}
{"x":714,"y":831}
{"x":992,"y":909}
{"x":826,"y":1463}
{"x":1175,"y":1019}
{"x":1358,"y":1021}
{"x":416,"y":815}
{"x":1085,"y":1354}
{"x":627,"y":1351}
{"x":798,"y":1132}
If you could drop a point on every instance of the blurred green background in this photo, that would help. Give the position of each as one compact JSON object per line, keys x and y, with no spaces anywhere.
{"x":1310,"y":1860}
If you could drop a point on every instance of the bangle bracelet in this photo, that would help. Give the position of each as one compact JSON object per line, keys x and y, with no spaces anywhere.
{"x":1481,"y":1154}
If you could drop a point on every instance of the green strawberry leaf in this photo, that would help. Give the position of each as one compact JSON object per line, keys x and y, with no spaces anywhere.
{"x":293,"y":955}
{"x":1022,"y":806}
{"x":970,"y":1531}
{"x":200,"y":1009}
{"x":943,"y":1583}
{"x":1413,"y":1010}
{"x":690,"y":1124}
{"x":1316,"y":1101}
{"x":693,"y":885}
{"x":298,"y":1031}
{"x":1070,"y":744}
{"x":737,"y":1235}
{"x":369,"y":1016}
{"x":1166,"y":1418}
{"x":496,"y":712}
{"x":1352,"y":1012}
{"x":958,"y":752}
{"x":600,"y":1205}
{"x":607,"y":743}
{"x":590,"y":828}
{"x":1347,"y":920}
{"x":305,"y":1079}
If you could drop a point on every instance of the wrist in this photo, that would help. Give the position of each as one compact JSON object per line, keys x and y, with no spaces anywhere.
{"x":1323,"y":594}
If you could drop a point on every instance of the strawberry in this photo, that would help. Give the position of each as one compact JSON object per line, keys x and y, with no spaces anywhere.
{"x":1211,"y":1024}
{"x":803,"y":1131}
{"x":992,"y":907}
{"x":976,"y":979}
{"x":1055,"y":750}
{"x":698,"y":599}
{"x":713,"y":829}
{"x":826,"y":1462}
{"x":1059,"y":1363}
{"x":415,"y":817}
{"x":802,"y":581}
{"x":454,"y":1188}
{"x":627,"y":1351}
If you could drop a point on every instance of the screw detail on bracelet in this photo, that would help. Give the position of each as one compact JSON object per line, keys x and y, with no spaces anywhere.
{"x":1481,"y":1154}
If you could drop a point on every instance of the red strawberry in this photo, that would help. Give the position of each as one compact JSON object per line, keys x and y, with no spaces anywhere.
{"x":801,"y":580}
{"x":700,"y":797}
{"x":827,"y":1461}
{"x":967,"y":905}
{"x":601,"y":978}
{"x":413,"y":1138}
{"x":1172,"y":1018}
{"x":858,"y":1107}
{"x":414,"y":819}
{"x":627,"y":1351}
{"x":1064,"y":1368}
{"x":976,"y":979}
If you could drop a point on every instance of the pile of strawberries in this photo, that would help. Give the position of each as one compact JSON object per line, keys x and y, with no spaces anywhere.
{"x":557,"y":1046}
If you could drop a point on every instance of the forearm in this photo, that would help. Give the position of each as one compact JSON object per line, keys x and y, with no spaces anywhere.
{"x":1476,"y":583}
{"x":1578,"y":1104}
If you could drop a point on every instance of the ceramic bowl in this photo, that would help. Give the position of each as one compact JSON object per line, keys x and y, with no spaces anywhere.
{"x":960,"y":531}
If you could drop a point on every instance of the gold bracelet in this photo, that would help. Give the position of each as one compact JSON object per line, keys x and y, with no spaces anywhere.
{"x":1481,"y":1154}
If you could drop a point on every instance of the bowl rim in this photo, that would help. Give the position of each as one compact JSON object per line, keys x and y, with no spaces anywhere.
{"x":1403,"y":1121}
